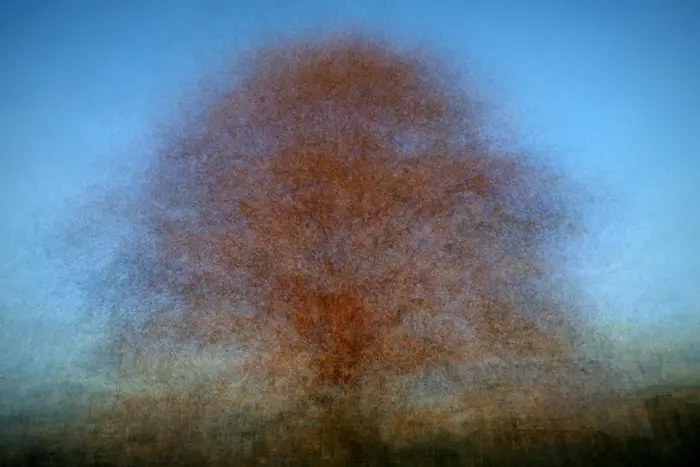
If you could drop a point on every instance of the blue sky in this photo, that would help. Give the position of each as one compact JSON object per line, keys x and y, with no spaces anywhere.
{"x":612,"y":88}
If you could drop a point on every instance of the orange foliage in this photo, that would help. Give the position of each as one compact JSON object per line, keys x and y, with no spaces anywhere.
{"x":342,"y":184}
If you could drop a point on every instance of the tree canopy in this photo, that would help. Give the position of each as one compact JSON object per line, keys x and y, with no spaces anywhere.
{"x":348,"y":193}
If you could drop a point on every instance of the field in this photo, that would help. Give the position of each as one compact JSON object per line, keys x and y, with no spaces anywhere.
{"x":176,"y":413}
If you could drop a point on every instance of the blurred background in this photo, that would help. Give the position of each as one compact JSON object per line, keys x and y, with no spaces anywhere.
{"x":608,"y":90}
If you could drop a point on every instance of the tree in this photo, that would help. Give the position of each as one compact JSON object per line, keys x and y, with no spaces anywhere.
{"x":348,"y":192}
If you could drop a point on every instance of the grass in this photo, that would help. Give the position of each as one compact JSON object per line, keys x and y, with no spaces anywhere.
{"x":185,"y":415}
{"x":204,"y":409}
{"x":174,"y":430}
